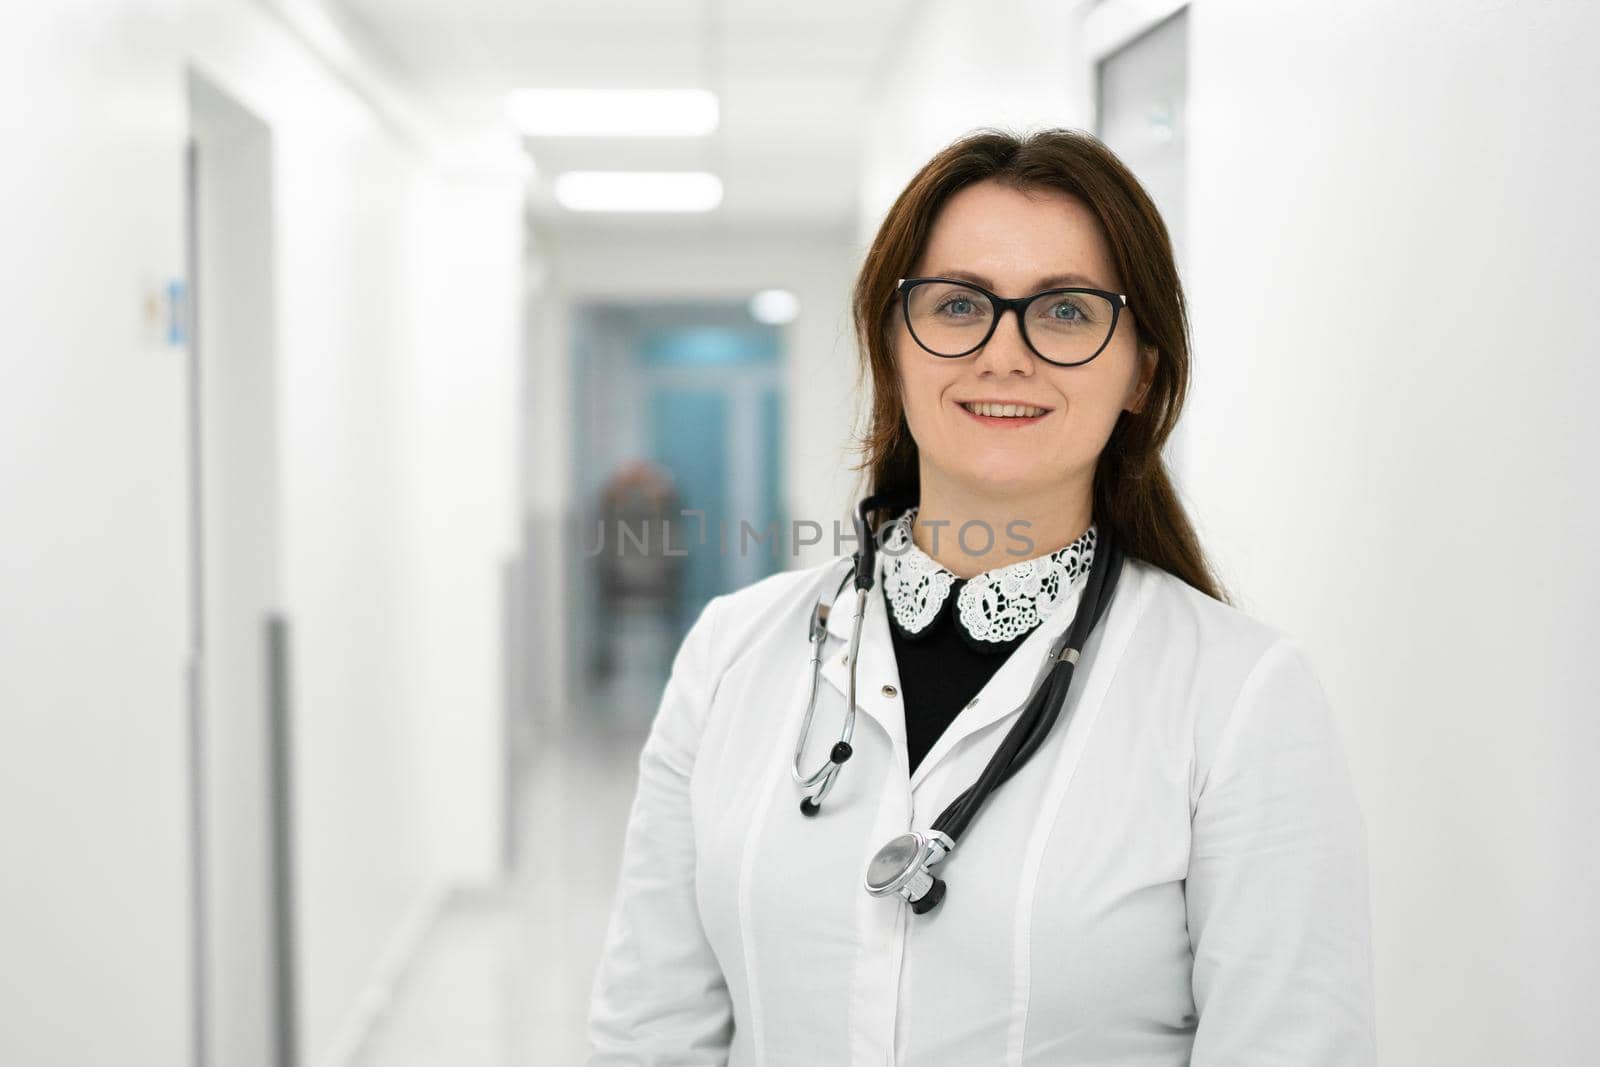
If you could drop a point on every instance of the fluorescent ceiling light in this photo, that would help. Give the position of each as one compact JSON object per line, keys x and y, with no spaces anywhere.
{"x":638,"y":190}
{"x":774,"y":306}
{"x":613,"y":112}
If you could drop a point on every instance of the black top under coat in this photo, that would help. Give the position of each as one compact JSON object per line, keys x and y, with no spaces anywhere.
{"x":941,"y":669}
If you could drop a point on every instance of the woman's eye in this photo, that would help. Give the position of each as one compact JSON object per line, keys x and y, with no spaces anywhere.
{"x":957,"y":305}
{"x":1067,"y":312}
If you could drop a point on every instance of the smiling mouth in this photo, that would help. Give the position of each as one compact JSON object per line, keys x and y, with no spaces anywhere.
{"x":1021,"y":412}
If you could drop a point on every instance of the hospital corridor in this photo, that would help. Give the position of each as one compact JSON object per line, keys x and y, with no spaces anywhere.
{"x":405,"y":400}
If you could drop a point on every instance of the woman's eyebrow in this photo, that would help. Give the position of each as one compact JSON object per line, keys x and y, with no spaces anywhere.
{"x":1048,"y":282}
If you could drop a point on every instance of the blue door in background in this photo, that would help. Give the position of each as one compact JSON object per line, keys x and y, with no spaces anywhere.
{"x":689,"y":437}
{"x":678,"y":407}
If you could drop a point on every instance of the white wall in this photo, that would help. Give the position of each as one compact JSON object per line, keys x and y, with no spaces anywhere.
{"x":1392,"y":234}
{"x":461,"y":456}
{"x":1012,"y":64}
{"x":397,"y":279}
{"x":94,"y":625}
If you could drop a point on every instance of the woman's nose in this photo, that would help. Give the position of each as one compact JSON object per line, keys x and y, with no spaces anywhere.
{"x":1006,"y":351}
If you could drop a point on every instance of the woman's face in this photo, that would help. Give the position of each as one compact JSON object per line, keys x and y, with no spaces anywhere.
{"x":1013,"y":242}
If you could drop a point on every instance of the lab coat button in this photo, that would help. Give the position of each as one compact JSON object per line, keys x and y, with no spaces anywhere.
{"x":889,"y":691}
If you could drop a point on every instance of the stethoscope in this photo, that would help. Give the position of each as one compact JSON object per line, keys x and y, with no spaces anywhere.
{"x":901,"y":867}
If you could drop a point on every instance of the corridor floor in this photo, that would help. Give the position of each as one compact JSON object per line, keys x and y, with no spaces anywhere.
{"x":502,"y":978}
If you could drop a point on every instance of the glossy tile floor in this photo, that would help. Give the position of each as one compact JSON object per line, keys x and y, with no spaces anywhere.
{"x":502,"y":979}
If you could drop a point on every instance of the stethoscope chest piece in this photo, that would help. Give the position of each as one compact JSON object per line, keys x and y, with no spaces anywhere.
{"x":901,"y":867}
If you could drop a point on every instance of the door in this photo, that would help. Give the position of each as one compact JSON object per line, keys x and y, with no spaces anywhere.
{"x":238,"y":713}
{"x":1142,"y":90}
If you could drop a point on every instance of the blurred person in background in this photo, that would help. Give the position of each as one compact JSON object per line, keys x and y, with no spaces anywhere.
{"x":1174,"y":872}
{"x":640,"y":559}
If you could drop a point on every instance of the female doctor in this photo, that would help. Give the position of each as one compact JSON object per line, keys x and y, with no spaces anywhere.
{"x":1083,"y":811}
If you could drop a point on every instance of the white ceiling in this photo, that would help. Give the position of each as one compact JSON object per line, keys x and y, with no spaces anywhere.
{"x":793,"y":79}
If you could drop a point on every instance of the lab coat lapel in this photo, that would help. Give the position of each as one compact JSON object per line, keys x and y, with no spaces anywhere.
{"x":877,"y":668}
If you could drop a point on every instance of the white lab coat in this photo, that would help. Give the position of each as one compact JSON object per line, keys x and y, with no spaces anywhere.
{"x":1178,"y":875}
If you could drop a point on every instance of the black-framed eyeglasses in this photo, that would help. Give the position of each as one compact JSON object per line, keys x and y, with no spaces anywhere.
{"x":950,"y":317}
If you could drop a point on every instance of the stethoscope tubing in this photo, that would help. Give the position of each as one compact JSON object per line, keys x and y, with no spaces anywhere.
{"x":1044,"y":707}
{"x":825,"y":776}
{"x":801,"y":778}
{"x":863,"y":570}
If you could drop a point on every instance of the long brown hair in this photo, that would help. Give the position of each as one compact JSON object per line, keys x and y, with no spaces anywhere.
{"x":1133,"y":490}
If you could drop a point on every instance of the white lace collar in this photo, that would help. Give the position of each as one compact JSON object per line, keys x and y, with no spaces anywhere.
{"x":994,"y":607}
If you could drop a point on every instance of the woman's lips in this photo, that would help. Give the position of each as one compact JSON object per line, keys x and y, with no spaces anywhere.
{"x":1002,"y":421}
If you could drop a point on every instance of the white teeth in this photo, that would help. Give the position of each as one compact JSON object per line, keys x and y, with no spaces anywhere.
{"x":1004,"y":411}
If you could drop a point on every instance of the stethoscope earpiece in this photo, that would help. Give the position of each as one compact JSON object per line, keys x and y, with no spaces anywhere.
{"x":841,"y":752}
